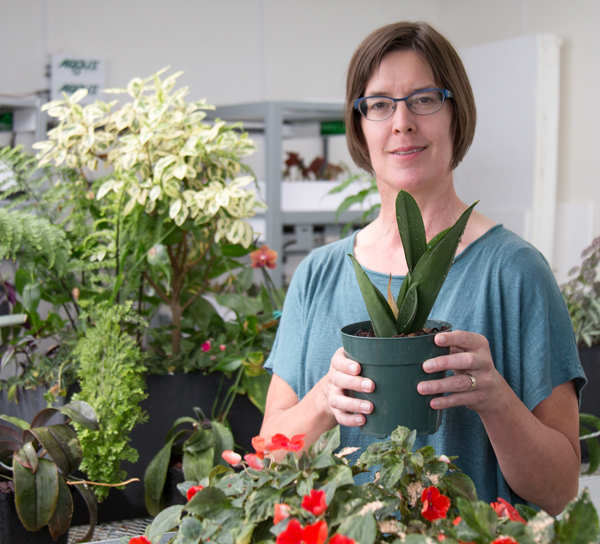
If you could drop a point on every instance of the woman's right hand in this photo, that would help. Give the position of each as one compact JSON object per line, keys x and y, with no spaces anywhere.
{"x":344,"y":376}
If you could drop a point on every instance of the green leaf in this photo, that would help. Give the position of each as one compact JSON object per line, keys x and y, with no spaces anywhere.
{"x":228,"y":364}
{"x":579,"y":524}
{"x":337,"y":476}
{"x":403,"y":289}
{"x":256,"y":388}
{"x":200,"y":440}
{"x":361,"y":529}
{"x":436,"y":239}
{"x":43,"y":416}
{"x":411,"y":228}
{"x":82,"y":413}
{"x":260,"y":505}
{"x":190,"y":531}
{"x":460,"y":485}
{"x":479,"y":516}
{"x":22,"y":278}
{"x":234,"y":250}
{"x":62,"y":445}
{"x":408,"y":310}
{"x":31,"y":296}
{"x":223,"y":441}
{"x":327,"y":443}
{"x":390,"y":473}
{"x":165,"y":521}
{"x":210,"y":503}
{"x":351,"y":200}
{"x":61,"y":519}
{"x":36,"y":494}
{"x":92,"y":505}
{"x":433,"y":267}
{"x":197,"y":466}
{"x":382,"y":317}
{"x":21,"y":424}
{"x":155,"y":477}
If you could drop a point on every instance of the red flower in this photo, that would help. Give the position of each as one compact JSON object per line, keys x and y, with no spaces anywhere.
{"x":456,"y":520}
{"x":435,"y":505}
{"x":341,"y":539}
{"x":260,"y":446}
{"x":139,"y":540}
{"x":315,"y":502}
{"x":254,"y":461}
{"x":505,"y":540}
{"x":206,"y":346}
{"x":282,"y":442}
{"x":311,"y":534}
{"x":263,"y":257}
{"x":190,"y":493}
{"x":231,"y":457}
{"x":506,"y":510}
{"x":282,"y":511}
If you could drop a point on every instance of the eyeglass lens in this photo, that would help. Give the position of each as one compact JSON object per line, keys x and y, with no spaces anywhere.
{"x":378,"y":108}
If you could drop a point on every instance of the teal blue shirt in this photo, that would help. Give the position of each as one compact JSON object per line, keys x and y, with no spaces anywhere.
{"x":499,"y":286}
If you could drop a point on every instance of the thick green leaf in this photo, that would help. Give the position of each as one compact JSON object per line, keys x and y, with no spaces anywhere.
{"x":403,"y":289}
{"x":261,"y":503}
{"x":337,"y":476}
{"x":479,"y":516}
{"x":256,"y":388}
{"x":92,"y":504}
{"x":43,"y":416}
{"x":82,"y":413}
{"x":61,"y":443}
{"x":593,"y":449}
{"x":165,"y":521}
{"x":223,"y":441}
{"x":210,"y":503}
{"x":36,"y":494}
{"x":190,"y":531}
{"x":411,"y":228}
{"x":200,"y":440}
{"x":460,"y":485}
{"x":327,"y":443}
{"x":391,"y":471}
{"x":433,"y":267}
{"x":197,"y":466}
{"x":579,"y":524}
{"x":408,"y":310}
{"x":61,"y":519}
{"x":155,"y":478}
{"x":436,"y":239}
{"x":17,"y":422}
{"x":382,"y":317}
{"x":361,"y":529}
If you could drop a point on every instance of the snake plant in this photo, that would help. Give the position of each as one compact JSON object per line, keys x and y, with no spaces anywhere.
{"x":428,"y":265}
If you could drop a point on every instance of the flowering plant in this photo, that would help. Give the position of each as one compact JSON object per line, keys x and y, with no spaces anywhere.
{"x":311,"y":498}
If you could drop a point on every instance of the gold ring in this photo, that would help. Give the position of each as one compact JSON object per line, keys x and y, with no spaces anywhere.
{"x":473,"y":382}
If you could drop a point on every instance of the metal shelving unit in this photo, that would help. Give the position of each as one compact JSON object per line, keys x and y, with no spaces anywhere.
{"x":269,"y":118}
{"x":26,"y":111}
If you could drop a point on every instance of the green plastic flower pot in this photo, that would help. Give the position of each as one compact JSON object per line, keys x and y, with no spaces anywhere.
{"x":395,"y":365}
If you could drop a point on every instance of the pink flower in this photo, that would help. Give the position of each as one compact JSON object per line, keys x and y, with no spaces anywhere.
{"x":254,"y":461}
{"x":263,"y":257}
{"x":222,"y":347}
{"x":444,"y":459}
{"x":205,"y":346}
{"x":435,"y":505}
{"x":315,"y":502}
{"x":282,"y":442}
{"x":231,"y":457}
{"x":190,"y":493}
{"x":506,"y":510}
{"x":282,"y":511}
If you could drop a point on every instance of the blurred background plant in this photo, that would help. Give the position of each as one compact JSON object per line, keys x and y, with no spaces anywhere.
{"x":366,"y":186}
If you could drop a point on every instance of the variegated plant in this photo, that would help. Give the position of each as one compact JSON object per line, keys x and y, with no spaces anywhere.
{"x":428,"y":265}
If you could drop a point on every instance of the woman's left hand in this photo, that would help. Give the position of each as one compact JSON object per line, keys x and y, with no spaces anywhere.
{"x":475,"y":384}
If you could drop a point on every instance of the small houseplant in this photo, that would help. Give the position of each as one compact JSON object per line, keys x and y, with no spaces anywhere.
{"x":403,"y":338}
{"x":40,"y":460}
{"x":312,"y":498}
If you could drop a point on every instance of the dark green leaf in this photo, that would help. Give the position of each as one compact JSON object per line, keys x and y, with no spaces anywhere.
{"x":155,"y":478}
{"x":403,"y":289}
{"x":382,"y":317}
{"x":411,"y":228}
{"x":223,"y":441}
{"x":256,"y":388}
{"x":61,"y":443}
{"x":92,"y":505}
{"x":165,"y":521}
{"x":22,"y":278}
{"x":190,"y":531}
{"x":479,"y":516}
{"x":17,"y":422}
{"x":261,"y":503}
{"x":200,"y":440}
{"x":242,"y":305}
{"x":27,"y":457}
{"x":350,"y":200}
{"x":210,"y":503}
{"x":36,"y":494}
{"x":327,"y":443}
{"x":82,"y":413}
{"x":228,"y":364}
{"x":460,"y":485}
{"x":436,"y":239}
{"x":31,"y":296}
{"x":61,"y":519}
{"x":197,"y":466}
{"x":43,"y":416}
{"x":579,"y":524}
{"x":408,"y":310}
{"x":391,"y":471}
{"x":361,"y":529}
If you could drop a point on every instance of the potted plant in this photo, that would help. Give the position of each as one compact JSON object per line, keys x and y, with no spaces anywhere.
{"x":417,"y":497}
{"x":38,"y":461}
{"x":402,"y":337}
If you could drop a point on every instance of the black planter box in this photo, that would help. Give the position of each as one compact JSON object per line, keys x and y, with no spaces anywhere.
{"x":169,"y":397}
{"x":12,"y":530}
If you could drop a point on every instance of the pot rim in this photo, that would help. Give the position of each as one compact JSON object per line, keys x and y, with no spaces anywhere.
{"x":361,"y":324}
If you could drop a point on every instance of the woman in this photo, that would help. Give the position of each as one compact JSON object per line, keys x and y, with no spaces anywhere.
{"x":511,"y":403}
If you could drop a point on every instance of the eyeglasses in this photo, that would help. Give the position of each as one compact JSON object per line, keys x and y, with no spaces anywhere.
{"x":380,"y":108}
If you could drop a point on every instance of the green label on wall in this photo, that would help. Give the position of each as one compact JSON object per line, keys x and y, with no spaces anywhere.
{"x":332,"y":127}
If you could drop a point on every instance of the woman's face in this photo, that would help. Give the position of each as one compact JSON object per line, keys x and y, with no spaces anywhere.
{"x":408,"y":151}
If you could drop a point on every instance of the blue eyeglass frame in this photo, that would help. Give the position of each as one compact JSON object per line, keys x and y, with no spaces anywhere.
{"x":445,"y":92}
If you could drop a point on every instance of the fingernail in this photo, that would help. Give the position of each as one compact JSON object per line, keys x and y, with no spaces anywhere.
{"x":358,"y":419}
{"x":366,"y":406}
{"x":424,"y":388}
{"x":435,"y":403}
{"x":366,"y":385}
{"x":354,"y":367}
{"x":428,"y":365}
{"x":441,"y":339}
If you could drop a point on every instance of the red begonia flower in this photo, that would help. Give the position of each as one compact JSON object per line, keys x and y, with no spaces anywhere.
{"x":441,"y":537}
{"x":341,"y":539}
{"x":435,"y":505}
{"x":316,"y":533}
{"x":311,"y":534}
{"x":506,"y":510}
{"x":139,"y":540}
{"x":260,"y":446}
{"x":254,"y":461}
{"x":505,"y":540}
{"x":263,"y":257}
{"x":282,"y":511}
{"x":231,"y":457}
{"x":315,"y":502}
{"x":282,"y":442}
{"x":190,"y":493}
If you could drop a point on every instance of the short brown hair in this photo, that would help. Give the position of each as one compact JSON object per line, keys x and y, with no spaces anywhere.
{"x":448,"y":71}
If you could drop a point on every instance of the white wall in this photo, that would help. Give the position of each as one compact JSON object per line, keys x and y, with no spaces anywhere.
{"x":247,"y":50}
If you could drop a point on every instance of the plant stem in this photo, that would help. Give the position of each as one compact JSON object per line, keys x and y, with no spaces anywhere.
{"x":100,"y":484}
{"x":231,"y":395}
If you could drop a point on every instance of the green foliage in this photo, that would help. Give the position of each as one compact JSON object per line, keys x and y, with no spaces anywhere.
{"x":368,"y":188}
{"x":44,"y":457}
{"x":428,"y":266}
{"x":582,"y":295}
{"x":111,"y":376}
{"x":239,"y":506}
